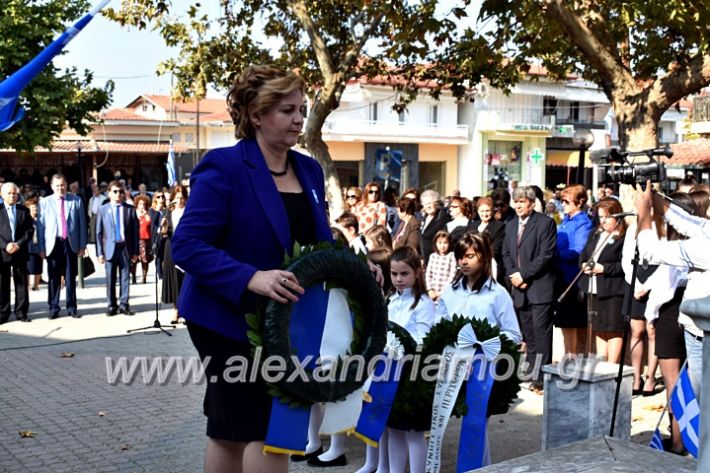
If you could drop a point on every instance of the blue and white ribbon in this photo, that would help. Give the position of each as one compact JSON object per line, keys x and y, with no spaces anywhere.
{"x":381,"y":391}
{"x":453,"y":369}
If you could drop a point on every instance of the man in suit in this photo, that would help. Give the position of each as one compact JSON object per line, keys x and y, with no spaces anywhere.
{"x":117,"y":246}
{"x":435,"y":219}
{"x":16,"y":232}
{"x":528,"y":256}
{"x":62,"y":236}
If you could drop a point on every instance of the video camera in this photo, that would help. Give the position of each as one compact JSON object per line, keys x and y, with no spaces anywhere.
{"x":614,"y":166}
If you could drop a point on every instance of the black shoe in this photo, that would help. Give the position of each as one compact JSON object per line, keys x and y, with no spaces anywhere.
{"x":25,"y":319}
{"x":126,"y":311}
{"x":307,"y":456}
{"x":54,"y":316}
{"x":75,"y":315}
{"x":3,"y":321}
{"x":111,"y":312}
{"x":340,"y":461}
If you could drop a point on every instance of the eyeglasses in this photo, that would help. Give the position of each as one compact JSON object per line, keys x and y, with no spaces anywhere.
{"x":565,"y":201}
{"x":160,"y":197}
{"x":352,"y":197}
{"x":117,"y":191}
{"x":454,"y":206}
{"x":373,"y":191}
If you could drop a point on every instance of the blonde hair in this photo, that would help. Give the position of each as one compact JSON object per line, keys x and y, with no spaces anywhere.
{"x":258,"y":89}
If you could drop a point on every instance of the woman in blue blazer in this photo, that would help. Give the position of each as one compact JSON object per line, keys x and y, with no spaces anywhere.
{"x":249,"y":204}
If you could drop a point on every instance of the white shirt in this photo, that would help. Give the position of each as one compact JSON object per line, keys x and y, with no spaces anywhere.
{"x":691,"y":253}
{"x":418,"y":321}
{"x":492,"y":302}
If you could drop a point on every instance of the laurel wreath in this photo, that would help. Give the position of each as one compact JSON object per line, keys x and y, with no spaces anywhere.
{"x":338,"y":267}
{"x":413,"y":405}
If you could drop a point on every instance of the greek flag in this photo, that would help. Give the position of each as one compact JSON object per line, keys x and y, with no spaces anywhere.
{"x":687,"y":412}
{"x":656,"y":441}
{"x":10,"y":110}
{"x":170,"y":165}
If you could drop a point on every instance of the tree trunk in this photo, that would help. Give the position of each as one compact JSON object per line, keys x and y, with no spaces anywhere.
{"x":319,"y":150}
{"x":638,"y":123}
{"x":325,"y":102}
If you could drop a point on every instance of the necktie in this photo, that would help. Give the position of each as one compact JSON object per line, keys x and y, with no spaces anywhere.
{"x":11,"y":218}
{"x":117,"y":224}
{"x":521,"y":229}
{"x":63,"y":216}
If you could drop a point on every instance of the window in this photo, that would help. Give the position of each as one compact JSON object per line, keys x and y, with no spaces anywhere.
{"x":660,"y":134}
{"x":189,"y":137}
{"x":373,"y":111}
{"x":574,"y":111}
{"x":401,"y":116}
{"x":176,"y":137}
{"x":434,"y":114}
{"x":549,"y":106}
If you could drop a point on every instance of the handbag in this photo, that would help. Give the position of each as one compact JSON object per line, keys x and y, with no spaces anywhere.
{"x":89,"y":267}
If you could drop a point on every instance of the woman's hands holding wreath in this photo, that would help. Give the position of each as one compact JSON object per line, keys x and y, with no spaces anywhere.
{"x":276,"y":284}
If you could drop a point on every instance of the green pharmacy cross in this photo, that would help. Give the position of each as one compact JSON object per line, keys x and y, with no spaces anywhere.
{"x":536,"y":156}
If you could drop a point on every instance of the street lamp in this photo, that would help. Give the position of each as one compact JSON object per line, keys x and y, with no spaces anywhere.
{"x":583,"y":139}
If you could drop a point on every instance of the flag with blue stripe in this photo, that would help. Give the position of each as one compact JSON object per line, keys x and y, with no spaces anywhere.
{"x":10,"y":110}
{"x":170,"y":166}
{"x":686,"y":410}
{"x":656,"y":441}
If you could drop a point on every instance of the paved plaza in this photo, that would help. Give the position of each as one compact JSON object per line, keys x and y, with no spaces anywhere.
{"x":53,"y":382}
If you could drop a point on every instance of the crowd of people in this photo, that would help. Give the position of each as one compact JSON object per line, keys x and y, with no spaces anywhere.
{"x":506,"y":257}
{"x":127,"y":229}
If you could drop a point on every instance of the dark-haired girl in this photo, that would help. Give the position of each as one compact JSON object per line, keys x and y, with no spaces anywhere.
{"x":411,"y":308}
{"x":474,"y":292}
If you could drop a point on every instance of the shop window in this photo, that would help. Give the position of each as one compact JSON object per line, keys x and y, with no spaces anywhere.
{"x":503,"y":163}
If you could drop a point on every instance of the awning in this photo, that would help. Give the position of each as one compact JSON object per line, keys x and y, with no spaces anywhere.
{"x":560,"y":91}
{"x":566,"y":158}
{"x":90,"y":147}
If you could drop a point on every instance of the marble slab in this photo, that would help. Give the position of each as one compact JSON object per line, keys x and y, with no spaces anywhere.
{"x":597,"y":455}
{"x":573,"y":412}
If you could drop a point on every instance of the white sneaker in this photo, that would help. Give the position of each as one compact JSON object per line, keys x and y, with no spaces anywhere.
{"x":696,"y":307}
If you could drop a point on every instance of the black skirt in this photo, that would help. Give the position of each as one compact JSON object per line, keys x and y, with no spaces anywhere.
{"x":34,"y":264}
{"x":638,"y":306}
{"x":670,"y":340}
{"x":572,"y":311}
{"x":237,"y":411}
{"x":607,"y":313}
{"x":172,"y":277}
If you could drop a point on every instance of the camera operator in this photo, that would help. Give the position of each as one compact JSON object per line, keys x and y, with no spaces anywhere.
{"x":691,"y":253}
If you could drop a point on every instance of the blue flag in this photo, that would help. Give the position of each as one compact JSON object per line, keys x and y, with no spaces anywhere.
{"x":656,"y":441}
{"x":10,"y":88}
{"x":170,"y":165}
{"x":686,"y":410}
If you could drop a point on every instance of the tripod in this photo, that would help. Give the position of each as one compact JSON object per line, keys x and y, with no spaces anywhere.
{"x":156,"y":322}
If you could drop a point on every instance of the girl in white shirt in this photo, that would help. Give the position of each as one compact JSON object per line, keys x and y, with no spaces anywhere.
{"x":411,"y":308}
{"x":475,"y":293}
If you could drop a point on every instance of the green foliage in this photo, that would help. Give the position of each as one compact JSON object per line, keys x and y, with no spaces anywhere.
{"x":54,"y":98}
{"x":643,"y":36}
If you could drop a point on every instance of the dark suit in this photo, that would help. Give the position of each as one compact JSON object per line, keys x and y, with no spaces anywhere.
{"x":496,"y":232}
{"x":117,"y":254}
{"x":234,"y":225}
{"x":409,"y":235}
{"x":611,"y":282}
{"x":15,"y":263}
{"x":534,"y":259}
{"x":436,"y":224}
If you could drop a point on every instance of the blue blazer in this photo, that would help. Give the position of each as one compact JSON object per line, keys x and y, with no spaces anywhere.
{"x":105,"y":237}
{"x":47,"y":228}
{"x":234,"y":225}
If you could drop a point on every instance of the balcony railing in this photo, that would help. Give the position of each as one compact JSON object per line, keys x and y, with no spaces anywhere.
{"x":375,"y":128}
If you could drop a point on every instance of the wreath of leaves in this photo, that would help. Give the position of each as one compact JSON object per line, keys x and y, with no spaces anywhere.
{"x":338,"y":267}
{"x":413,"y":405}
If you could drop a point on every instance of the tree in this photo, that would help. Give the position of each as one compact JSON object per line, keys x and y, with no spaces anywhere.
{"x":329,"y":42}
{"x":645,"y":54}
{"x":54,"y":99}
